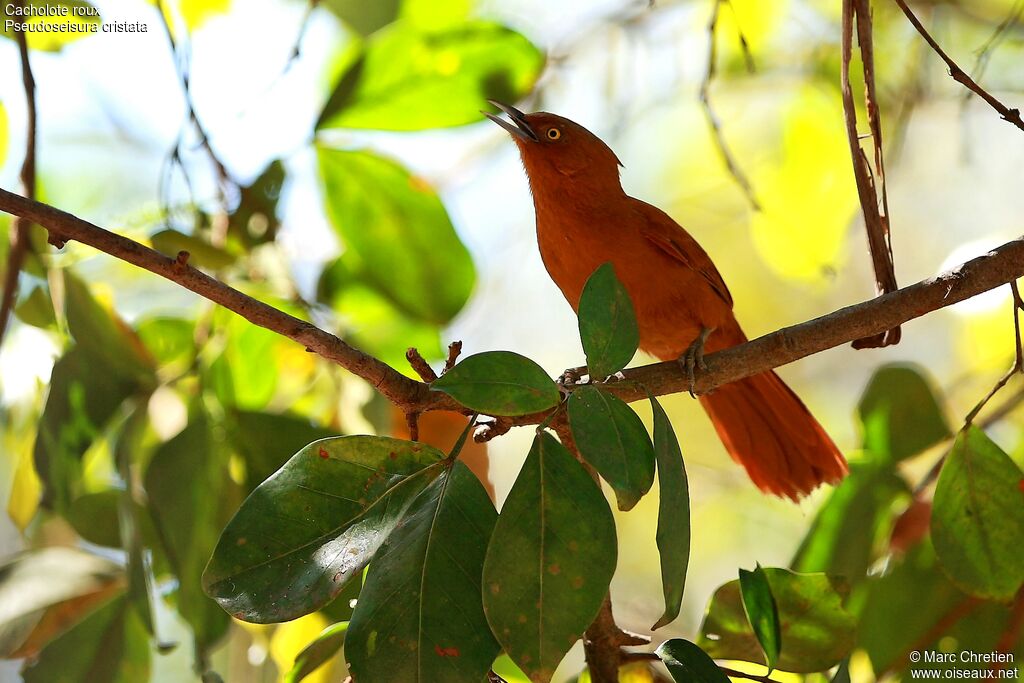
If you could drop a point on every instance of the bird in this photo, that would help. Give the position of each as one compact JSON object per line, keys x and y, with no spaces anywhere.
{"x":683,"y":307}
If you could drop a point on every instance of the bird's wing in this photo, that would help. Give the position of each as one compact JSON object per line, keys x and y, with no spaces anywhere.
{"x":670,"y":238}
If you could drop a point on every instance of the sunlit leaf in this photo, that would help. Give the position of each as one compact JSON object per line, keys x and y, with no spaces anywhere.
{"x":320,"y":651}
{"x":28,"y":588}
{"x":26,"y":490}
{"x":499,"y":383}
{"x":687,"y":663}
{"x":111,"y":645}
{"x":36,"y":309}
{"x":311,"y":527}
{"x":762,"y":612}
{"x":245,"y":375}
{"x":397,"y":234}
{"x":422,"y":595}
{"x":977,"y":521}
{"x":168,"y":339}
{"x":202,"y":254}
{"x":432,"y":15}
{"x":673,"y":514}
{"x":850,"y":528}
{"x":550,"y":559}
{"x":3,"y":133}
{"x":82,"y":20}
{"x":817,"y":632}
{"x":412,"y":79}
{"x":194,"y":13}
{"x":612,"y":438}
{"x":900,"y":413}
{"x":607,"y":323}
{"x":187,"y":479}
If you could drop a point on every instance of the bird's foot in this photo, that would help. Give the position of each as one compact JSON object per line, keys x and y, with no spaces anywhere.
{"x":693,"y":358}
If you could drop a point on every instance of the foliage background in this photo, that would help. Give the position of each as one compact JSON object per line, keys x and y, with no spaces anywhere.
{"x":111,"y":107}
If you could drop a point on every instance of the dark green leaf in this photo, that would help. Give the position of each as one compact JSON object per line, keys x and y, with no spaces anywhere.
{"x":550,"y":559}
{"x":84,"y":395}
{"x":422,"y":593}
{"x":317,"y":653}
{"x":900,"y":413}
{"x":762,"y":613}
{"x":977,"y":520}
{"x":816,"y":630}
{"x":673,"y":514}
{"x":687,"y":663}
{"x":202,"y":254}
{"x":54,"y":40}
{"x":28,"y":587}
{"x":95,"y":517}
{"x":413,"y":79}
{"x":36,"y":309}
{"x":850,"y":530}
{"x":111,"y":645}
{"x":397,"y":234}
{"x":255,"y":221}
{"x":612,"y":438}
{"x":190,"y":495}
{"x":842,"y":674}
{"x":364,"y":17}
{"x":499,"y":383}
{"x":311,"y":527}
{"x":607,"y":323}
{"x":266,"y":439}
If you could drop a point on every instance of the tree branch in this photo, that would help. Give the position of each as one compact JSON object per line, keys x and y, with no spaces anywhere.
{"x":19,"y":244}
{"x":996,"y":268}
{"x":959,"y":75}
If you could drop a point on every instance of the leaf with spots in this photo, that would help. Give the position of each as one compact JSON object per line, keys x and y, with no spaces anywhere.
{"x":550,"y":559}
{"x":314,"y":524}
{"x":499,"y":383}
{"x":608,"y":326}
{"x":977,"y":520}
{"x":612,"y":438}
{"x":420,"y":614}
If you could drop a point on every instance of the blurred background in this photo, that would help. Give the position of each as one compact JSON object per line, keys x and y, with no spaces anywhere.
{"x":291,"y":220}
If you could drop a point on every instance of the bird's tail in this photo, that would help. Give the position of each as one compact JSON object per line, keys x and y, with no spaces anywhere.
{"x":767,"y":429}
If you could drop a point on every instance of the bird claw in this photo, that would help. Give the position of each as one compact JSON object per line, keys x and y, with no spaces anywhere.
{"x":693,"y":358}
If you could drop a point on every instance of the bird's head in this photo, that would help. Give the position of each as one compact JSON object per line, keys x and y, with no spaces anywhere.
{"x":558,"y":152}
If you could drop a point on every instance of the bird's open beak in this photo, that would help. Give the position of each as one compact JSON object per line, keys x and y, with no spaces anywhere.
{"x":521,"y":129}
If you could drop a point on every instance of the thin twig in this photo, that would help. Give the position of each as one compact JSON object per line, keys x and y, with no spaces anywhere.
{"x":981,"y":274}
{"x":709,"y":112}
{"x":1018,"y":362}
{"x":20,"y":227}
{"x":989,"y":46}
{"x":420,"y":365}
{"x":876,"y":213}
{"x":454,"y":349}
{"x":959,"y":75}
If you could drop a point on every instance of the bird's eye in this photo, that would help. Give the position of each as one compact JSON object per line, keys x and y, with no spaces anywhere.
{"x":554,"y":133}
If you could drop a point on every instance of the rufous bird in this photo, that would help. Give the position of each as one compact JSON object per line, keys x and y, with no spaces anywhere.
{"x":683,"y":307}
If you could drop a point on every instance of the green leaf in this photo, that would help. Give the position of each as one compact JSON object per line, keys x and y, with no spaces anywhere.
{"x":550,"y":560}
{"x":169,"y":340}
{"x":36,"y":309}
{"x":364,"y":17}
{"x":317,"y":653}
{"x":977,"y":521}
{"x":608,"y":325}
{"x":852,"y":527}
{"x":311,"y":527}
{"x":104,"y":336}
{"x":255,"y":221}
{"x":111,"y":645}
{"x":687,"y":663}
{"x":82,"y":20}
{"x":94,"y":517}
{"x":816,"y":630}
{"x":900,"y":413}
{"x":190,"y":496}
{"x":28,"y":587}
{"x":612,"y":438}
{"x":266,"y":439}
{"x":84,"y":395}
{"x":397,"y":234}
{"x":431,"y":14}
{"x":422,"y":593}
{"x":499,"y":383}
{"x":245,"y":375}
{"x":3,"y":134}
{"x":202,"y":254}
{"x":673,"y":514}
{"x":762,"y":612}
{"x":414,"y":79}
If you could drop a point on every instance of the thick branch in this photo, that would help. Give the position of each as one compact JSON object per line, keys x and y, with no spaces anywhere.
{"x":959,"y":75}
{"x":998,"y":267}
{"x":396,"y":387}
